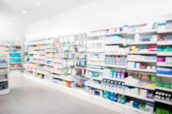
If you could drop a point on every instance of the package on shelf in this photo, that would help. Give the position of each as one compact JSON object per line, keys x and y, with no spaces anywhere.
{"x":3,"y":63}
{"x":95,"y":57}
{"x":142,"y":57}
{"x":115,"y":39}
{"x":95,"y":45}
{"x":167,"y":49}
{"x":115,"y":74}
{"x":163,"y":95}
{"x":139,"y":38}
{"x":115,"y":60}
{"x":139,"y":83}
{"x":136,"y":65}
{"x":98,"y":33}
{"x":166,"y":60}
{"x":116,"y":49}
{"x":163,"y":26}
{"x":150,"y":48}
{"x":164,"y":71}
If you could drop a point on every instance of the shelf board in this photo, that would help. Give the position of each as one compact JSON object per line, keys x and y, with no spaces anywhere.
{"x":164,"y":43}
{"x":4,"y":91}
{"x":3,"y":73}
{"x":146,"y":61}
{"x":138,"y":110}
{"x":164,"y":75}
{"x":143,"y":43}
{"x":77,"y":67}
{"x":65,"y":78}
{"x":164,"y":102}
{"x":138,"y":86}
{"x":94,"y":78}
{"x":95,"y":51}
{"x":95,"y":64}
{"x":164,"y":65}
{"x":164,"y":89}
{"x":104,"y":89}
{"x":115,"y":43}
{"x":3,"y":80}
{"x":144,"y":53}
{"x":114,"y":79}
{"x":3,"y":67}
{"x":164,"y":31}
{"x":124,"y":54}
{"x":115,"y":66}
{"x":140,"y":97}
{"x":142,"y":70}
{"x":164,"y":54}
{"x":152,"y":31}
{"x":95,"y":70}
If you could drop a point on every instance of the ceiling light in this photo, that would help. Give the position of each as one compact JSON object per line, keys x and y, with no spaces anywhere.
{"x":37,"y":3}
{"x":24,"y":11}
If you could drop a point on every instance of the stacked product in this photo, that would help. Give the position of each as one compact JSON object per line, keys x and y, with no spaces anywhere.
{"x":80,"y":60}
{"x":143,"y":49}
{"x":114,"y":97}
{"x":141,"y":66}
{"x":115,"y":60}
{"x":163,"y":96}
{"x":114,"y":74}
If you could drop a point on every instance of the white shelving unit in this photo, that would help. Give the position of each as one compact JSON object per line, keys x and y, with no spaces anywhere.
{"x":100,"y":64}
{"x":4,"y":70}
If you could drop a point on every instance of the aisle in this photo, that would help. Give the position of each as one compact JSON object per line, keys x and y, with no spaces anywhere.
{"x":27,"y":97}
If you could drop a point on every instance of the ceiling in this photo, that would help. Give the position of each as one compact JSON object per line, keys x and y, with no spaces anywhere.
{"x":35,"y":10}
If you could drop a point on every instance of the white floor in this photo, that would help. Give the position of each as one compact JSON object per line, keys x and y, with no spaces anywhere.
{"x":29,"y":97}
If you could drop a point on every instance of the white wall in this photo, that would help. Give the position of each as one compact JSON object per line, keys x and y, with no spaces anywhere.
{"x":11,"y":29}
{"x":99,"y":14}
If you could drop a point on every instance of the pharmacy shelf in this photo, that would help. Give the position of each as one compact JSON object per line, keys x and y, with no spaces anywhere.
{"x":143,"y":53}
{"x":164,"y":102}
{"x":164,"y":65}
{"x":143,"y":43}
{"x":146,"y":61}
{"x":164,"y":75}
{"x":140,"y":97}
{"x":164,"y":54}
{"x":115,"y":66}
{"x":104,"y":89}
{"x":164,"y":43}
{"x":122,"y":54}
{"x":114,"y":79}
{"x":164,"y":89}
{"x":142,"y":70}
{"x":143,"y":87}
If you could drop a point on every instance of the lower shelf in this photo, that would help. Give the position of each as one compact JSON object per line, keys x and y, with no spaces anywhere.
{"x":82,"y":94}
{"x":5,"y":91}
